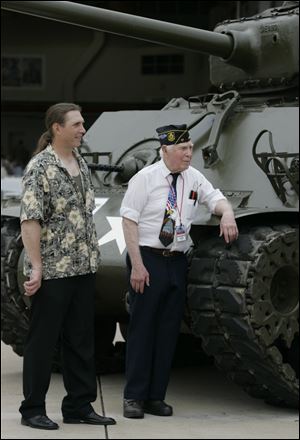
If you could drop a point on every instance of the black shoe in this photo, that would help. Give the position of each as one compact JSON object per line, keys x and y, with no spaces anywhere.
{"x":91,"y":419}
{"x":133,"y":409}
{"x":39,"y":422}
{"x":157,"y":408}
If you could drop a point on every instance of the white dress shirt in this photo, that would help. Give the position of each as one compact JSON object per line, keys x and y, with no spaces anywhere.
{"x":146,"y":197}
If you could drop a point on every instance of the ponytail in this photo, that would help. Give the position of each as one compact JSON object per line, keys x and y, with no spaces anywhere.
{"x":43,"y":141}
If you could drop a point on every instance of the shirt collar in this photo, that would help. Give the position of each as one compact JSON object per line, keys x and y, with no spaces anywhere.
{"x":165,"y":170}
{"x":55,"y":157}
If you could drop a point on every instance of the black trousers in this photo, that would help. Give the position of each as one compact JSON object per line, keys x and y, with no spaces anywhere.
{"x":155,"y":318}
{"x":61,"y":309}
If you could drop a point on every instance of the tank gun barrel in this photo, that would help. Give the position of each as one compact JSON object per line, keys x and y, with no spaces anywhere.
{"x":155,"y":31}
{"x":101,"y":167}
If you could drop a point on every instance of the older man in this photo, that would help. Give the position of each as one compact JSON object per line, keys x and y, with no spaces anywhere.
{"x":157,"y":210}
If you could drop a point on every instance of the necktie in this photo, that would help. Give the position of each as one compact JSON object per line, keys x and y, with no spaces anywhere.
{"x":166,"y":234}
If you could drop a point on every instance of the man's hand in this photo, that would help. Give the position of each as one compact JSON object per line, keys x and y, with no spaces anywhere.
{"x":31,"y":236}
{"x":139,"y":276}
{"x":33,"y":285}
{"x":228,"y":227}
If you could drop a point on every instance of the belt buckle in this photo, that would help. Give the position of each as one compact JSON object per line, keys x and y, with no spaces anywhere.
{"x":166,"y":253}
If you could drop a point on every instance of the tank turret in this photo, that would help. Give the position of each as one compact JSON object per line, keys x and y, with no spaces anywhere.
{"x":243,"y":298}
{"x":247,"y":53}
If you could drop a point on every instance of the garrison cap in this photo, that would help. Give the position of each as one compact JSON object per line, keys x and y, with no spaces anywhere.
{"x":173,"y":134}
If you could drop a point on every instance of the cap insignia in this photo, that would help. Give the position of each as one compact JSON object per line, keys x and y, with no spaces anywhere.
{"x":171,"y":136}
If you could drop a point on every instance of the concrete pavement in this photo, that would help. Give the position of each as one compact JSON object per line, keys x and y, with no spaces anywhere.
{"x":206,"y":406}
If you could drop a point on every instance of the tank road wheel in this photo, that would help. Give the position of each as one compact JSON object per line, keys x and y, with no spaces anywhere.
{"x":244,"y":305}
{"x":14,"y":311}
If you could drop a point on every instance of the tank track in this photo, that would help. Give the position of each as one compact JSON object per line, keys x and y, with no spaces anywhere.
{"x":246,"y":322}
{"x":14,"y":312}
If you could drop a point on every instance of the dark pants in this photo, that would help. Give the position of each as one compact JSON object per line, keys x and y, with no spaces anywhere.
{"x":155,"y":318}
{"x":61,"y":309}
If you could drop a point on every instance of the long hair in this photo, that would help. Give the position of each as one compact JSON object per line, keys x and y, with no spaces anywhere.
{"x":55,"y":114}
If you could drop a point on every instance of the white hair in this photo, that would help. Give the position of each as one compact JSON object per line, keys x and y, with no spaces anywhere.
{"x":168,"y":147}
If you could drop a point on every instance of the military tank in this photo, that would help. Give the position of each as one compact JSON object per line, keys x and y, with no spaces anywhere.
{"x":242,"y":298}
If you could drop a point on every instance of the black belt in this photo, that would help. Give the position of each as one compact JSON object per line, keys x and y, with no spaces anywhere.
{"x":163,"y":252}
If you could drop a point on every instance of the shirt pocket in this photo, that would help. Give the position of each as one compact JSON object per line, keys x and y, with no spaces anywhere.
{"x":191,"y":209}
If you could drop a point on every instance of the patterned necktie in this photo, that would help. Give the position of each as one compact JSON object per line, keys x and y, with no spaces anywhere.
{"x":166,"y":234}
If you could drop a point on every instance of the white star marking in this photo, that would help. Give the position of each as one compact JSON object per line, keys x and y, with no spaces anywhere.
{"x":99,"y":202}
{"x":116,"y":233}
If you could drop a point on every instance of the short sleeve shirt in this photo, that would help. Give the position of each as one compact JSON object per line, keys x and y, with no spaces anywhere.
{"x":145,"y":201}
{"x":68,"y":242}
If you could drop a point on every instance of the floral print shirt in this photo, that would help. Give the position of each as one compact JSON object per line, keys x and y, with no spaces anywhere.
{"x":68,"y":243}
